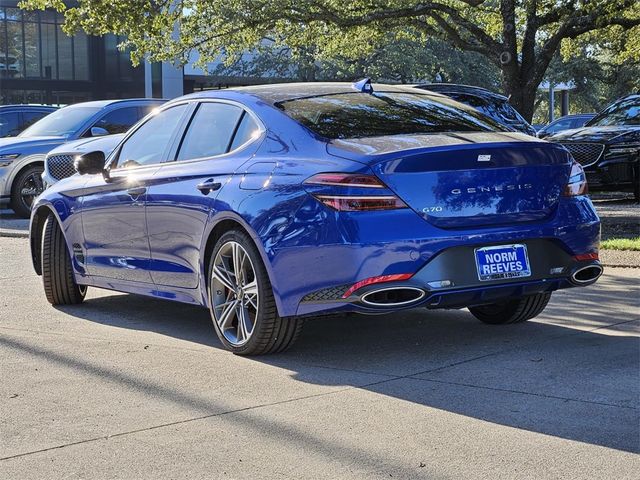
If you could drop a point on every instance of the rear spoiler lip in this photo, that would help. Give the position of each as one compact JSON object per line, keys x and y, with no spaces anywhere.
{"x":342,"y":149}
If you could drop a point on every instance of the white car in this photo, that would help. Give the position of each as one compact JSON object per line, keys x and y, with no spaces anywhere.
{"x":59,"y":162}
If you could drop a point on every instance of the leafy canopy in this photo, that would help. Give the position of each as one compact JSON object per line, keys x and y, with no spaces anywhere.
{"x":518,"y":37}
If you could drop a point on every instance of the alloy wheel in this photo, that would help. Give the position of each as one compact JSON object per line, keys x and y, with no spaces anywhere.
{"x":31,"y":187}
{"x":234,"y":293}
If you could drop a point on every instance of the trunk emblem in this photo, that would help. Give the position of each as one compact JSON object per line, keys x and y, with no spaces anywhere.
{"x":484,"y":158}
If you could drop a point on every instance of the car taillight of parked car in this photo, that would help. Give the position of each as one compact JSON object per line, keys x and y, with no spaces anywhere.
{"x":577,"y":184}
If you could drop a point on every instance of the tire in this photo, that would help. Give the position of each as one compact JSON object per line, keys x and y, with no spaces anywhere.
{"x":513,"y":311}
{"x":28,"y":179}
{"x":60,"y":286}
{"x":264,"y":331}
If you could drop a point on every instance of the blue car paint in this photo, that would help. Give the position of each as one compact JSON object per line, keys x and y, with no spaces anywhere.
{"x":154,"y":245}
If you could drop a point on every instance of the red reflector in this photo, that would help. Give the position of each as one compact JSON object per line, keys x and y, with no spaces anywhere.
{"x":380,"y":279}
{"x":586,"y":256}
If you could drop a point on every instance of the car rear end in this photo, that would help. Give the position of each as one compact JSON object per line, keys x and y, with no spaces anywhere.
{"x":441,"y":210}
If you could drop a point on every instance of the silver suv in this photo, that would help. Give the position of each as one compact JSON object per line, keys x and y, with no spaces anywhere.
{"x":22,"y":157}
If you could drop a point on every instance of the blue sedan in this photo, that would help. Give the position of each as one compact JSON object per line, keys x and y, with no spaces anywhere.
{"x":270,"y":204}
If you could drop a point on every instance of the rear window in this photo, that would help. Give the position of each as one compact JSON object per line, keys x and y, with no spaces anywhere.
{"x":357,"y":115}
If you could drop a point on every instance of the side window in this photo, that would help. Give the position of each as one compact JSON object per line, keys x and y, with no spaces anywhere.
{"x":9,"y":124}
{"x":561,"y":125}
{"x":118,"y":121}
{"x":578,"y":122}
{"x":148,"y":143}
{"x":210,"y":131}
{"x":247,"y":130}
{"x":29,"y":118}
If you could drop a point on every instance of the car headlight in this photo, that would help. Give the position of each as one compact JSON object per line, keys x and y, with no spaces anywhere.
{"x":7,"y":158}
{"x":624,"y":149}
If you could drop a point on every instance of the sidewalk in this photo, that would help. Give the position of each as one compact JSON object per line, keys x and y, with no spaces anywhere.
{"x":12,"y":226}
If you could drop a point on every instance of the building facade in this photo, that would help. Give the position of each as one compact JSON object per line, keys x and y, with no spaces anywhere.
{"x":39,"y":63}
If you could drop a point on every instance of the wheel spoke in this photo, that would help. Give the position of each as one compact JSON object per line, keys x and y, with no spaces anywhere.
{"x":37,"y":179}
{"x":237,"y":253}
{"x":227,"y":315}
{"x":241,"y":333}
{"x":251,"y":294}
{"x":222,"y":278}
{"x":251,"y":288}
{"x":253,"y":302}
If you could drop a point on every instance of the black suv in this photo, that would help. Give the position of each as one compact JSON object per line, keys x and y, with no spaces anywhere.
{"x":490,"y":103}
{"x":608,"y":146}
{"x":15,"y":118}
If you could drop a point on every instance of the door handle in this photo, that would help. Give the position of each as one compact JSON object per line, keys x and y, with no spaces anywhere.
{"x":208,"y":186}
{"x":137,"y":191}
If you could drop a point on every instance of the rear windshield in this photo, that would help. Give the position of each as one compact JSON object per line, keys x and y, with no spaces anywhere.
{"x":357,"y":115}
{"x":495,"y":108}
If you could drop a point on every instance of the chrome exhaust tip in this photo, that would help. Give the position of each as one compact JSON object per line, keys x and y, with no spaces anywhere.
{"x":586,"y":275}
{"x":392,"y":296}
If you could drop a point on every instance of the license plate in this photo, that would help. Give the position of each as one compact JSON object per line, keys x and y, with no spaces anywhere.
{"x":502,"y":262}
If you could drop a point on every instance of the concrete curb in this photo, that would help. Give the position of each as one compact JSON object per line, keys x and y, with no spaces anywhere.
{"x":14,"y":233}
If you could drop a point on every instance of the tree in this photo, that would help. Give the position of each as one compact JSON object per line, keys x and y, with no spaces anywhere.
{"x":519,"y":37}
{"x":396,"y":61}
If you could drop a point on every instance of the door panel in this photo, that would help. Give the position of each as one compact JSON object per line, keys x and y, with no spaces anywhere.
{"x":114,"y":211}
{"x":114,"y":225}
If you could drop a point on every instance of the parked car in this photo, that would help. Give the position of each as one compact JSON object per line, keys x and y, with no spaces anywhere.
{"x":11,"y":67}
{"x":22,"y":157}
{"x":608,"y":146}
{"x":15,"y":118}
{"x":270,"y":203}
{"x":568,"y":122}
{"x":58,"y":163}
{"x":490,"y":103}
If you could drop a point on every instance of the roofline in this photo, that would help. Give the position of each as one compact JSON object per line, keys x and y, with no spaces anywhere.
{"x":463,"y":86}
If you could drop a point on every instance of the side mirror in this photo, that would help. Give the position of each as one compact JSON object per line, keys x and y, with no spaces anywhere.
{"x":98,"y":132}
{"x":90,"y":163}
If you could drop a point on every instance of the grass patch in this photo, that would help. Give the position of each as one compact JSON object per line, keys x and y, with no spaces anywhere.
{"x":621,"y":244}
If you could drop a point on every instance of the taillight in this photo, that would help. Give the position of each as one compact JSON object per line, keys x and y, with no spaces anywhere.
{"x":345,"y":180}
{"x":350,"y":201}
{"x":355,"y":203}
{"x":577,"y":184}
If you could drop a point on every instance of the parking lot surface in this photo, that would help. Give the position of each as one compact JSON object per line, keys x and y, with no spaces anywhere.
{"x":130,"y":387}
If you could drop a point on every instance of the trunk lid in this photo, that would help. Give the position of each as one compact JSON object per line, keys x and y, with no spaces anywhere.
{"x":461,"y":180}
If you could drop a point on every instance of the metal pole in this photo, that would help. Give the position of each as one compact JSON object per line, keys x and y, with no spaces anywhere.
{"x":551,"y":103}
{"x":565,"y":102}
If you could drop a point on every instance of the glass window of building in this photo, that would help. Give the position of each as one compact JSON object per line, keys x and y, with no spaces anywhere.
{"x":65,"y":55}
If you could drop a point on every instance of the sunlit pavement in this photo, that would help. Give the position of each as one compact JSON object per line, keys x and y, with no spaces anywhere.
{"x":130,"y":387}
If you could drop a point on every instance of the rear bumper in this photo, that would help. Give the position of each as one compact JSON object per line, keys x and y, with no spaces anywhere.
{"x":340,"y":250}
{"x":450,"y":280}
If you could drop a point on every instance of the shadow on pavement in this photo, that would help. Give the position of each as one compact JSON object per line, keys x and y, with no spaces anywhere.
{"x":562,"y":377}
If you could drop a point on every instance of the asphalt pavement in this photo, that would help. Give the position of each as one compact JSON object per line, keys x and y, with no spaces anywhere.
{"x":128,"y":387}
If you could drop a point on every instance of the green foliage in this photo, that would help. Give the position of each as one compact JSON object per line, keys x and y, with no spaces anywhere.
{"x":621,"y":244}
{"x":399,"y":60}
{"x":518,"y":37}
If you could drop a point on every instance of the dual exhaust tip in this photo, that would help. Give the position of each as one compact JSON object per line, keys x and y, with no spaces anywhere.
{"x":586,"y":275}
{"x":404,"y":295}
